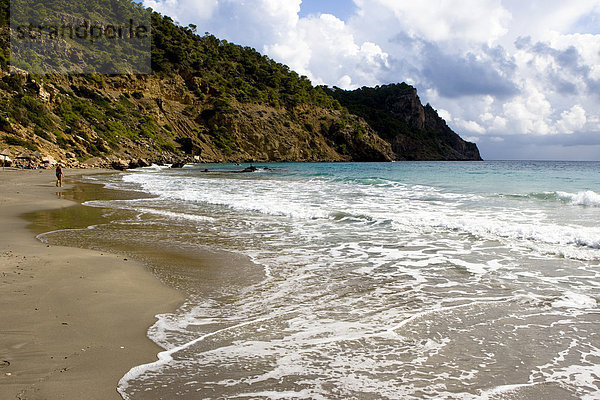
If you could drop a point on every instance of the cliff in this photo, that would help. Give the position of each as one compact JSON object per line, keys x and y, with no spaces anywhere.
{"x":206,"y":100}
{"x":414,"y":131}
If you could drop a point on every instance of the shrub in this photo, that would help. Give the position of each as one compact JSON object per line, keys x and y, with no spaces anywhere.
{"x":42,"y":133}
{"x":15,"y":141}
{"x":222,"y":138}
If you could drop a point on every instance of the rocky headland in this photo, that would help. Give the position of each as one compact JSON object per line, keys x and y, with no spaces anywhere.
{"x":208,"y":100}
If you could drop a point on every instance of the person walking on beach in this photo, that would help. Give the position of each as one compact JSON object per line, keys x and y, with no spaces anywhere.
{"x":59,"y":175}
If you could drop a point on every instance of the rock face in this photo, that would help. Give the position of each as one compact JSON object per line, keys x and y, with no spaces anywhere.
{"x":406,"y":107}
{"x":414,"y":131}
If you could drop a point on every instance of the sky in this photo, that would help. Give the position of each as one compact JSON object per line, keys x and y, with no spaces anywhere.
{"x":519,"y":78}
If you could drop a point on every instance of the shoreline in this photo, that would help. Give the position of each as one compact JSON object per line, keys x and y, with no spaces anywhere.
{"x":74,"y":320}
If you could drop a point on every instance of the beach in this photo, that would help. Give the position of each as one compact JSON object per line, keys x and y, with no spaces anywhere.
{"x":74,"y":321}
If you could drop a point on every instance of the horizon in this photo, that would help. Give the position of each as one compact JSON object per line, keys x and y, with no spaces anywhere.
{"x":536,"y":92}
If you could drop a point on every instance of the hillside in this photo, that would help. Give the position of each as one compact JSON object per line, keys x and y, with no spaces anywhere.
{"x":206,"y":99}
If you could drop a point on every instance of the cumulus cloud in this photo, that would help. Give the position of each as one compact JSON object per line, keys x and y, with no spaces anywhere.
{"x":572,"y":120}
{"x":469,"y":126}
{"x":334,"y":55}
{"x":529,"y":112}
{"x":186,"y":10}
{"x":440,"y":20}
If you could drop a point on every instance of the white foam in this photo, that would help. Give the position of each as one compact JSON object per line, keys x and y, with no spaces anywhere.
{"x":134,"y":205}
{"x":151,"y":168}
{"x":437,"y":308}
{"x":476,"y":268}
{"x":575,"y":300}
{"x":582,"y":377}
{"x":403,"y":205}
{"x":275,"y":395}
{"x":585,"y":198}
{"x":165,"y":357}
{"x":498,"y":391}
{"x":176,"y":215}
{"x":330,"y":259}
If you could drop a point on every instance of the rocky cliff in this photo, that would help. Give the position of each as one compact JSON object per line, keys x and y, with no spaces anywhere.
{"x":415,"y":132}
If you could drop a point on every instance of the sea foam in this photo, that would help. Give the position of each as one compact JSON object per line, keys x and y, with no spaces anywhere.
{"x":586,"y":198}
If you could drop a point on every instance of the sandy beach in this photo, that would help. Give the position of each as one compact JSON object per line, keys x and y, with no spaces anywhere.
{"x":74,"y":321}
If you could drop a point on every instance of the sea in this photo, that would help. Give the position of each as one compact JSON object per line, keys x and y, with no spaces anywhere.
{"x":404,"y":280}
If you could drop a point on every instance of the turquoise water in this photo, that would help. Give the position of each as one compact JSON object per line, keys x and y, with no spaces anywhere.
{"x":376,"y":281}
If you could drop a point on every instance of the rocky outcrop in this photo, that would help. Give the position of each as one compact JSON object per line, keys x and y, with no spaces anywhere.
{"x":407,"y":107}
{"x":414,"y":131}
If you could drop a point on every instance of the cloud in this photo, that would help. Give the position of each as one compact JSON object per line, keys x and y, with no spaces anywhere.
{"x":454,"y":75}
{"x":529,"y":113}
{"x":469,"y":126}
{"x":185,"y":10}
{"x":440,"y":20}
{"x":554,"y":147}
{"x":589,"y":23}
{"x":494,"y":123}
{"x":327,"y":51}
{"x":572,"y":120}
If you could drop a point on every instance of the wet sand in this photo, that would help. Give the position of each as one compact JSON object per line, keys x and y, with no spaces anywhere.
{"x":74,"y":321}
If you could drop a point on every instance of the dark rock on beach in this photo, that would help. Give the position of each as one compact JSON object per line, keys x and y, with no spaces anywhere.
{"x":178,"y":164}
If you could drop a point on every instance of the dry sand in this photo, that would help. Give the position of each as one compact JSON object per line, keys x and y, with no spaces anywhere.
{"x":72,"y":321}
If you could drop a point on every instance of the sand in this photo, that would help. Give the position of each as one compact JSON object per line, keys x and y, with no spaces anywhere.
{"x":73,"y":321}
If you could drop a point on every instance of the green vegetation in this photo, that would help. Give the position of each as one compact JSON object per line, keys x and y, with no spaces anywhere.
{"x":223,"y":68}
{"x":15,"y":141}
{"x":228,"y":69}
{"x":26,"y":110}
{"x":97,"y":32}
{"x":222,"y":138}
{"x":396,"y":114}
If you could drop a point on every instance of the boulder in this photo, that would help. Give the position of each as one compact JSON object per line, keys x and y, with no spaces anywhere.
{"x":94,"y":162}
{"x":178,"y":164}
{"x":133,"y":164}
{"x":120,"y":165}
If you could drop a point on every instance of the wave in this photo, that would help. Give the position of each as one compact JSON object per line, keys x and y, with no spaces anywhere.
{"x":402,"y":206}
{"x":565,"y":241}
{"x":551,"y":196}
{"x":132,"y":205}
{"x":575,"y":300}
{"x":586,"y":198}
{"x":369,"y":181}
{"x":165,"y":357}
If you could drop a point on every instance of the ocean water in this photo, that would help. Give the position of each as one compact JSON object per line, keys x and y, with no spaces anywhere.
{"x":442,"y":280}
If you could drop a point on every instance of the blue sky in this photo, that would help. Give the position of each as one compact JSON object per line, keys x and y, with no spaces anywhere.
{"x":519,"y":78}
{"x":342,"y":9}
